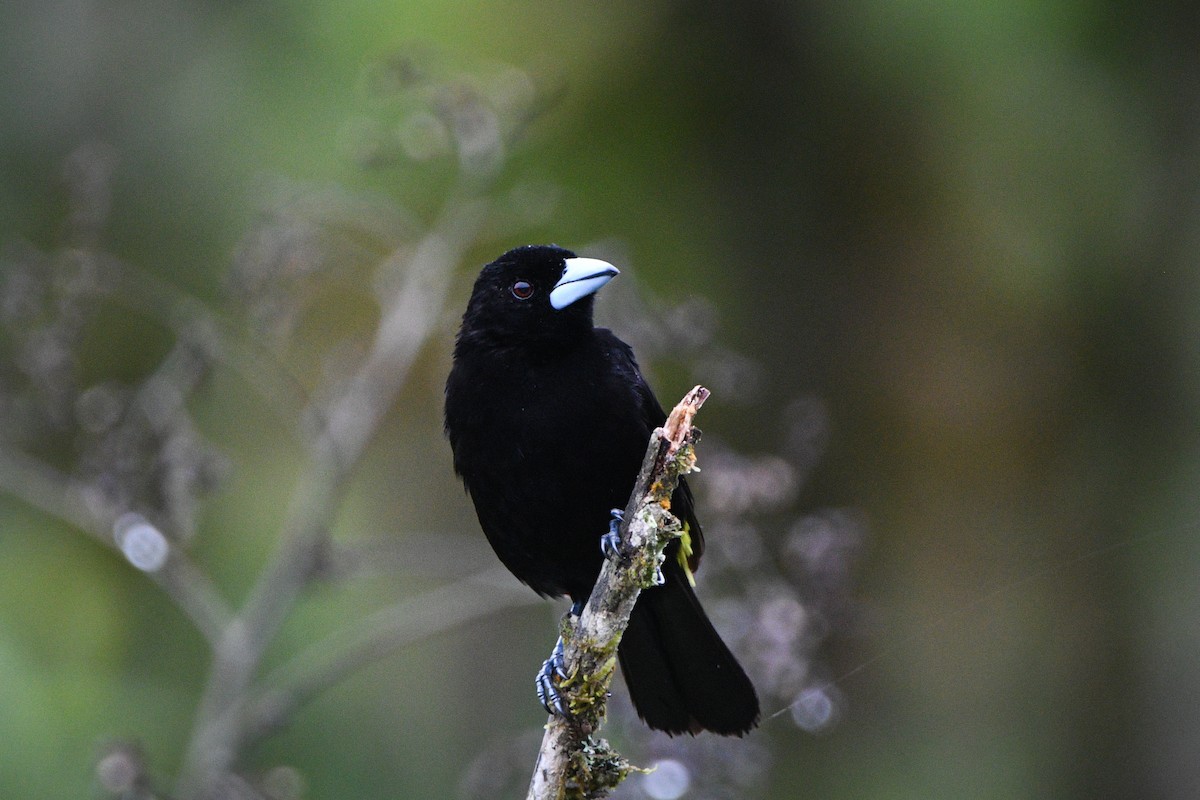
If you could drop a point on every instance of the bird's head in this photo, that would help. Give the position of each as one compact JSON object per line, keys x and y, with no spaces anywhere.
{"x":534,"y":294}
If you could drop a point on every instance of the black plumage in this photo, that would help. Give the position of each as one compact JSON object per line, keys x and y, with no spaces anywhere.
{"x":549,"y":418}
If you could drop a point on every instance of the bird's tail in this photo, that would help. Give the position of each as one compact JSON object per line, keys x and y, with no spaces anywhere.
{"x":681,"y":676}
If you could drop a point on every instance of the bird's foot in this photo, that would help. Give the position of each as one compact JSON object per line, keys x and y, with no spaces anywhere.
{"x":547,"y":690}
{"x":610,"y":543}
{"x":659,"y":577}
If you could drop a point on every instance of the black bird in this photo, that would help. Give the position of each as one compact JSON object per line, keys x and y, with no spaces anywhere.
{"x":549,"y":418}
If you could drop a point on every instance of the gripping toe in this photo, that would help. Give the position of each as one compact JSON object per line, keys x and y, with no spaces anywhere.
{"x":553,"y":669}
{"x":610,"y":543}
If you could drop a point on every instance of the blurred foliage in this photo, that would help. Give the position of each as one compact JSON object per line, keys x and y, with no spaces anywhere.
{"x":947,"y":256}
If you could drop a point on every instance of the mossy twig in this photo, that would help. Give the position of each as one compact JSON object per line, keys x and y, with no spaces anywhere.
{"x":573,"y":762}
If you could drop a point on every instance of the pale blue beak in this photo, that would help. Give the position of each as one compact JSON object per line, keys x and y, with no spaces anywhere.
{"x":582,"y":276}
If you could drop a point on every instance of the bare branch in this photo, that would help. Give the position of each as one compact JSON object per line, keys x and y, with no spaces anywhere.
{"x":145,"y":292}
{"x":570,"y":759}
{"x":424,"y":554}
{"x":64,"y":498}
{"x":409,"y":317}
{"x":377,"y":636}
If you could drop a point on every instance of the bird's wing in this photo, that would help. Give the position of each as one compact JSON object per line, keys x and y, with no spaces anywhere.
{"x":653,"y":414}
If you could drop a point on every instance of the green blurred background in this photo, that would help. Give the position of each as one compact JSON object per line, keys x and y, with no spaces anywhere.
{"x":971,"y":229}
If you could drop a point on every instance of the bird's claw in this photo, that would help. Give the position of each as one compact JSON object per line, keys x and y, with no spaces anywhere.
{"x":547,"y":691}
{"x":610,"y":543}
{"x":659,"y":578}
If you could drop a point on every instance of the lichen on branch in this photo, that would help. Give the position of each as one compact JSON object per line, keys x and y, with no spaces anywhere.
{"x":572,"y":761}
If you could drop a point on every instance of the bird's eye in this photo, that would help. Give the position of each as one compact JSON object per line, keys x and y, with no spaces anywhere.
{"x":522,"y":290}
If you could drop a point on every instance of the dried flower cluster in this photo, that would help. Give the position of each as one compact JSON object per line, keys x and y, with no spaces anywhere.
{"x":124,"y":442}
